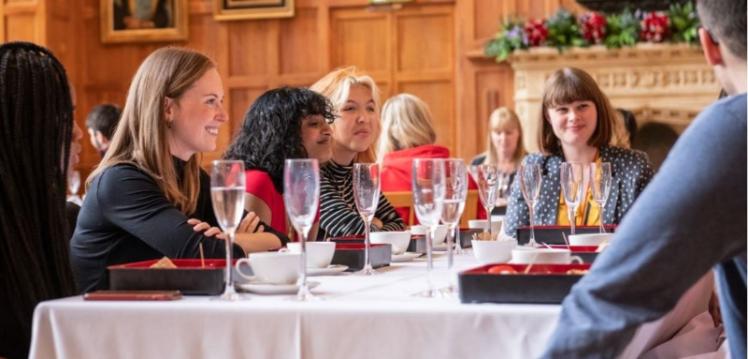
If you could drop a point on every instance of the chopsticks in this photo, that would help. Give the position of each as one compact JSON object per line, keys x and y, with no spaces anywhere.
{"x":202,"y":256}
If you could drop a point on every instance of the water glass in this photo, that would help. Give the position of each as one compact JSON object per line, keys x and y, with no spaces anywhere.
{"x":428,"y":200}
{"x":227,"y":195}
{"x":530,"y":180}
{"x":601,"y":181}
{"x":301,"y":198}
{"x":486,"y":177}
{"x":455,"y":188}
{"x":366,"y":196}
{"x":574,"y":187}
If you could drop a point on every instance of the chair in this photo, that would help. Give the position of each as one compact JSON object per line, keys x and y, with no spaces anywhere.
{"x":404,"y":199}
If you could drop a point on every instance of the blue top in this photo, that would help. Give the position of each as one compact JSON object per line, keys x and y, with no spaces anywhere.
{"x":689,"y":219}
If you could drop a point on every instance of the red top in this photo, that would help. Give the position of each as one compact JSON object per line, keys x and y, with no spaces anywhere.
{"x":397,"y":167}
{"x":261,"y":186}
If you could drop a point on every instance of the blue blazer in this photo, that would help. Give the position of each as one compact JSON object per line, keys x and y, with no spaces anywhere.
{"x":631,"y":172}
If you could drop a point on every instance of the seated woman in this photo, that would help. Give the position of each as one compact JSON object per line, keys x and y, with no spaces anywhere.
{"x":505,"y":150}
{"x":36,"y":118}
{"x":149,"y":198}
{"x":576,"y":126}
{"x":281,"y":124}
{"x":407,"y":133}
{"x":355,"y":98}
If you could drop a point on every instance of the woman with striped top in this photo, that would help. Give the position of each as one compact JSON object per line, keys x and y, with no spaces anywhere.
{"x":355,"y":98}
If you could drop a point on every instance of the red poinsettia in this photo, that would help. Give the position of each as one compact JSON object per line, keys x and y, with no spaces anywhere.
{"x":655,"y":26}
{"x":592,"y":26}
{"x":536,"y":31}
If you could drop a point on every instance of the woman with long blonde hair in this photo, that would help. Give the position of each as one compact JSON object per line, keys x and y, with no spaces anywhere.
{"x":407,"y":133}
{"x":504,"y":150}
{"x":355,"y":99}
{"x":149,"y":198}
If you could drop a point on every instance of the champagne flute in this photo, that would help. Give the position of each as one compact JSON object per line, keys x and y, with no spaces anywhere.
{"x":454,"y":201}
{"x":366,"y":196}
{"x":601,"y":181}
{"x":530,"y":180}
{"x":428,"y":199}
{"x":486,"y":177}
{"x":574,"y":189}
{"x":227,"y":194}
{"x":301,"y":197}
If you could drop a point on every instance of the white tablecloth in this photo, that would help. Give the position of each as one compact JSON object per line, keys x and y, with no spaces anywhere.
{"x":355,"y":317}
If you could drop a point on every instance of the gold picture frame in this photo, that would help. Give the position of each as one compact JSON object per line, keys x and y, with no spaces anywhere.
{"x":252,"y":9}
{"x":143,"y":20}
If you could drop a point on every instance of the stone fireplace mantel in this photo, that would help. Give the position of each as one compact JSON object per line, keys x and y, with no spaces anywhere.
{"x":667,"y":83}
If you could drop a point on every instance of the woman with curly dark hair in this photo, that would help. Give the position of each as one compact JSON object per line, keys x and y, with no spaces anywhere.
{"x":282,"y":123}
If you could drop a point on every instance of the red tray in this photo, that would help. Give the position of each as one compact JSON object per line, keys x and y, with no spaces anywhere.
{"x":189,"y":277}
{"x":543,"y":284}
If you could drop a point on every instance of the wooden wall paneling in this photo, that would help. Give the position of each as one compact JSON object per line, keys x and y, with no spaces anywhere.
{"x":25,"y":21}
{"x":298,"y":43}
{"x":352,"y":43}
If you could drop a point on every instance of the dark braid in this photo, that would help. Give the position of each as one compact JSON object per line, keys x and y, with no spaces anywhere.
{"x":36,"y":122}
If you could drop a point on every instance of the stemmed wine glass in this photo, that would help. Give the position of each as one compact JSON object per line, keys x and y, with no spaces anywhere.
{"x":573,"y":186}
{"x":454,"y":200}
{"x":301,"y":197}
{"x":530,"y":179}
{"x":486,"y":177}
{"x":366,"y":196}
{"x":601,"y":180}
{"x":428,"y":199}
{"x":227,"y":194}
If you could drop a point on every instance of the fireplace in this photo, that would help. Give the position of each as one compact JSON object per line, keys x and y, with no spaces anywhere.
{"x":663,"y":84}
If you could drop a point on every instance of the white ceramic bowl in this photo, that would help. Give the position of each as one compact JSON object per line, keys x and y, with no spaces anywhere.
{"x":493,"y":251}
{"x":441,"y":232}
{"x":483,"y":224}
{"x":590,"y":239}
{"x":399,"y":240}
{"x":318,"y":254}
{"x":526,"y":255}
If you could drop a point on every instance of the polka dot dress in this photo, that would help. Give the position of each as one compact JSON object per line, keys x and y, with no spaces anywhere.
{"x":631,"y":172}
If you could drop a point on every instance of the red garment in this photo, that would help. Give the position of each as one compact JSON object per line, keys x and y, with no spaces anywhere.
{"x":397,"y":167}
{"x":261,"y":186}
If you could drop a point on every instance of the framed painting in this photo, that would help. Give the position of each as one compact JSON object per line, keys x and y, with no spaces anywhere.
{"x":143,"y":20}
{"x":252,"y":9}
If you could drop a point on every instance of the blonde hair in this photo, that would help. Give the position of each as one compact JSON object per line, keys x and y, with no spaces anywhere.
{"x":336,"y":86}
{"x":406,"y":123}
{"x":141,"y":135}
{"x":504,"y":119}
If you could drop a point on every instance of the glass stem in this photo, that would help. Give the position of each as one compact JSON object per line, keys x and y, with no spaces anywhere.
{"x":367,"y":263}
{"x":532,"y":228}
{"x":229,"y":274}
{"x":450,"y":239}
{"x":488,"y":216}
{"x":302,"y":277}
{"x":572,"y":218}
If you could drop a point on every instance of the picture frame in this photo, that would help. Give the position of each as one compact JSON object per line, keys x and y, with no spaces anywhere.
{"x":226,"y":10}
{"x":143,"y":20}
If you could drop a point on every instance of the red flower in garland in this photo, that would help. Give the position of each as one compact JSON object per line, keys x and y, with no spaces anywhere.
{"x":536,"y":31}
{"x":655,"y":26}
{"x":593,"y":26}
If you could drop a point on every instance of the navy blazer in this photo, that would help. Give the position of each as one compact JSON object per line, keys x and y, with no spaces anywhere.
{"x":631,"y":172}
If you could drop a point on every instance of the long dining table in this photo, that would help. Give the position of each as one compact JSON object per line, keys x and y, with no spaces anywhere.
{"x":379,"y":316}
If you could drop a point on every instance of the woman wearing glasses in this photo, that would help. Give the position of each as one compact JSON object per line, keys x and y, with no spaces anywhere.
{"x":576,"y":126}
{"x":281,"y":124}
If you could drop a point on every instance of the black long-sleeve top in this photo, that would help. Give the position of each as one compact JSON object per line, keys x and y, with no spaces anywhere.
{"x":338,"y":213}
{"x":127,"y":218}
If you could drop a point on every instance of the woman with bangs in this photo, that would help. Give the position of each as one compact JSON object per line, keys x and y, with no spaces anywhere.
{"x":281,"y":124}
{"x":149,"y":198}
{"x":505,"y":150}
{"x":355,"y":99}
{"x":577,"y":125}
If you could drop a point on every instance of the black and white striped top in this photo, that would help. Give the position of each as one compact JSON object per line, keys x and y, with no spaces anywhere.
{"x":338,"y":214}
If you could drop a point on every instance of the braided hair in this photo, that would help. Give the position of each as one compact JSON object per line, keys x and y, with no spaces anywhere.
{"x":36,"y":123}
{"x":271,"y":132}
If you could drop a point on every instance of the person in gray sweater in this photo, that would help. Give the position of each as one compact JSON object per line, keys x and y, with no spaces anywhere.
{"x":691,"y":218}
